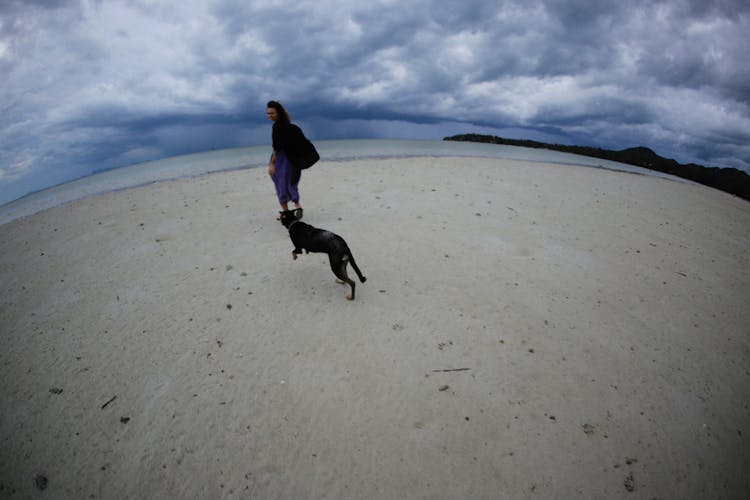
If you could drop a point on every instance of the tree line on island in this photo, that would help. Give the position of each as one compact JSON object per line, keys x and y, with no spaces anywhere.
{"x":730,"y":180}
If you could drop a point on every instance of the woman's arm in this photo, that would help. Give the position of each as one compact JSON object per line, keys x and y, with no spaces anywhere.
{"x":272,"y":164}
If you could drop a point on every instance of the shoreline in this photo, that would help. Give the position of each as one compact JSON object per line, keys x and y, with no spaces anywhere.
{"x":160,"y":341}
{"x":146,"y":173}
{"x":728,"y":179}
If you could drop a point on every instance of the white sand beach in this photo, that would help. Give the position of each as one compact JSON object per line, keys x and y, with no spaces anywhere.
{"x":526,"y":331}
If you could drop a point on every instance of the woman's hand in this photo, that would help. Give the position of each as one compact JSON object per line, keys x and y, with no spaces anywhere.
{"x":272,"y":164}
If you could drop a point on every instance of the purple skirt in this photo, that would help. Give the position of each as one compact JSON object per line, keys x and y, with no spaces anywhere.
{"x":285,"y":179}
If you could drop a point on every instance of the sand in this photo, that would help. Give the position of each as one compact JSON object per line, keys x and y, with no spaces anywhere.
{"x":525,"y":331}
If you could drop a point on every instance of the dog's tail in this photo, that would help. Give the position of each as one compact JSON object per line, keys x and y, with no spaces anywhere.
{"x":362,"y":279}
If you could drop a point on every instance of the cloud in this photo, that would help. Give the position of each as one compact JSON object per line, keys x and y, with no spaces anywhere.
{"x":90,"y":84}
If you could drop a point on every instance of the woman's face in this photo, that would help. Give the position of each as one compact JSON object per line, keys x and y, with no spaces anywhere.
{"x":272,"y":114}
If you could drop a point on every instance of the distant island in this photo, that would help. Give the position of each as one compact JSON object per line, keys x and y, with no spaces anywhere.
{"x":730,"y":180}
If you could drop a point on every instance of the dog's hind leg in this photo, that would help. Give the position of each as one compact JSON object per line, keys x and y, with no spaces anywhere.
{"x":338,"y":266}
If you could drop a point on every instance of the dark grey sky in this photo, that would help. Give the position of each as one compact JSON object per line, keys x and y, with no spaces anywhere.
{"x":97,"y":84}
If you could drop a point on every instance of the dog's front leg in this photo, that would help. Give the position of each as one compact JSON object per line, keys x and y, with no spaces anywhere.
{"x":295,"y":253}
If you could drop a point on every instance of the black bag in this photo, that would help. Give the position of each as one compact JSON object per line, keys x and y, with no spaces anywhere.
{"x":301,"y":151}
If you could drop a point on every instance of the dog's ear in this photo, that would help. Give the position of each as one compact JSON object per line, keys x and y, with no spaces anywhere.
{"x":286,"y":216}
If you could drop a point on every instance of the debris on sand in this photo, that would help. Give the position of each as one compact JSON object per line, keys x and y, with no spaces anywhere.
{"x":41,"y":481}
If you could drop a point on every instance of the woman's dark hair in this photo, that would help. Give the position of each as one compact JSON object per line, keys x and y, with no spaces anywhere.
{"x":283,"y":115}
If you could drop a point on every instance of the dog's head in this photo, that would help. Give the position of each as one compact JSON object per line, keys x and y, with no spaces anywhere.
{"x":289,"y":216}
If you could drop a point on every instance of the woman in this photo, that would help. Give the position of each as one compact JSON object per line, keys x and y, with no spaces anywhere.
{"x":284,"y":174}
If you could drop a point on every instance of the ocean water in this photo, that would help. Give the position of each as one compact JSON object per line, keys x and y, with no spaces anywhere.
{"x":257,"y":156}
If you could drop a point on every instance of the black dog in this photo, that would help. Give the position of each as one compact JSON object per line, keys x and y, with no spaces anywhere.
{"x":310,"y":239}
